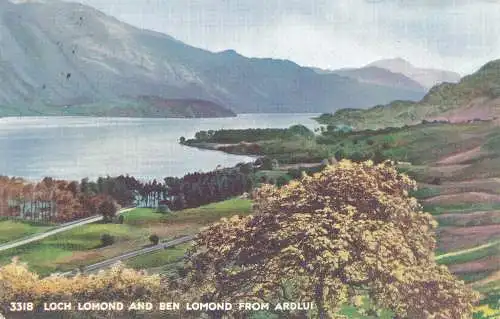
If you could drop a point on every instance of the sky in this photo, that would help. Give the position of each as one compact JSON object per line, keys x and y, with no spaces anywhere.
{"x":457,"y":35}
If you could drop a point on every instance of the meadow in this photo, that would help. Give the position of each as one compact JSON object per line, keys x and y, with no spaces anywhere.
{"x":15,"y":229}
{"x":82,"y":245}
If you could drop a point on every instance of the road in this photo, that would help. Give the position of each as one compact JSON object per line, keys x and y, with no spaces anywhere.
{"x":58,"y":229}
{"x":132,"y":254}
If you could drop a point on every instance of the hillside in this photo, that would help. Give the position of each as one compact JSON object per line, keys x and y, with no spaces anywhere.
{"x":141,"y":106}
{"x":381,"y":76}
{"x":80,"y":56}
{"x":475,"y":97}
{"x":425,"y":77}
{"x":455,"y":165}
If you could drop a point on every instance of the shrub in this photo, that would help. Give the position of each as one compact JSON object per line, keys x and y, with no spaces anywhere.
{"x":120,"y":219}
{"x":154,"y":239}
{"x":386,"y":145}
{"x":436,"y":181}
{"x":294,"y":173}
{"x":339,"y":155}
{"x":107,"y":240}
{"x":281,"y":181}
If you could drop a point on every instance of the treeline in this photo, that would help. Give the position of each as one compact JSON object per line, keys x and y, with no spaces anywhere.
{"x":248,"y":135}
{"x":198,"y":189}
{"x":49,"y":200}
{"x":191,"y":190}
{"x":53,"y":200}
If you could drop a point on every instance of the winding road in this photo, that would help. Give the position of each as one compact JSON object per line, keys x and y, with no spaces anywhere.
{"x":59,"y":229}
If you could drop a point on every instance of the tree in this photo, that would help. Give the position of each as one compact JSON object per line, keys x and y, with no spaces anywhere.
{"x":154,"y":239}
{"x":182,"y":140}
{"x":301,"y":130}
{"x":346,"y":232}
{"x":107,"y":209}
{"x":264,"y":163}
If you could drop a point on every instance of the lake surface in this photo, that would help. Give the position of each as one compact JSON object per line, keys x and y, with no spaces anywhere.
{"x":77,"y":147}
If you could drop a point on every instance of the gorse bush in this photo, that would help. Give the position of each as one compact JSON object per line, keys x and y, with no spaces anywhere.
{"x":18,"y":284}
{"x":346,"y":232}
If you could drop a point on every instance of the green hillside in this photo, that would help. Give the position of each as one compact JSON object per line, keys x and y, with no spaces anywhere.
{"x":474,"y":97}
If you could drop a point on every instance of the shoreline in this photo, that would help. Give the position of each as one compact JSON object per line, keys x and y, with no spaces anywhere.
{"x":216,"y":147}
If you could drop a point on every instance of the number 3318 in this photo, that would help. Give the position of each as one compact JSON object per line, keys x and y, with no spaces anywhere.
{"x":21,"y":306}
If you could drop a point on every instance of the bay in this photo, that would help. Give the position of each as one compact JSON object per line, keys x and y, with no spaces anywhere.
{"x":76,"y":147}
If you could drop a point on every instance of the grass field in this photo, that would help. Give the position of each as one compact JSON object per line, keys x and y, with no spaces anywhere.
{"x":81,"y":245}
{"x":160,"y":259}
{"x":461,"y":208}
{"x":466,"y":255}
{"x":12,"y":229}
{"x":54,"y":253}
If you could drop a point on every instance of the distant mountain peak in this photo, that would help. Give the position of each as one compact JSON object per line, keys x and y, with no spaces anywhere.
{"x":425,"y":76}
{"x":397,"y":62}
{"x":229,"y":51}
{"x":381,"y":76}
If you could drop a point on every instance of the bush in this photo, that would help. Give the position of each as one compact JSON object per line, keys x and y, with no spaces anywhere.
{"x":120,"y":219}
{"x":281,"y":181}
{"x":436,"y":181}
{"x":294,"y":173}
{"x":370,"y":142}
{"x":264,"y":163}
{"x":154,"y":239}
{"x":386,"y":145}
{"x":357,"y":157}
{"x":378,"y":157}
{"x":339,"y":155}
{"x":107,"y":240}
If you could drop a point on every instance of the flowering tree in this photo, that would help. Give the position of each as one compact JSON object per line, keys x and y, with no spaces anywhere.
{"x":18,"y":284}
{"x":348,"y":232}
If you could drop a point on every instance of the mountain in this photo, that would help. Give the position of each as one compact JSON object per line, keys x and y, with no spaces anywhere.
{"x":381,"y":76}
{"x":475,"y":97}
{"x":58,"y":57}
{"x":145,"y":106}
{"x":425,"y":77}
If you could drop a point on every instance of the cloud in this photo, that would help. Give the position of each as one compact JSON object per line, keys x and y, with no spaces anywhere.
{"x":453,"y":34}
